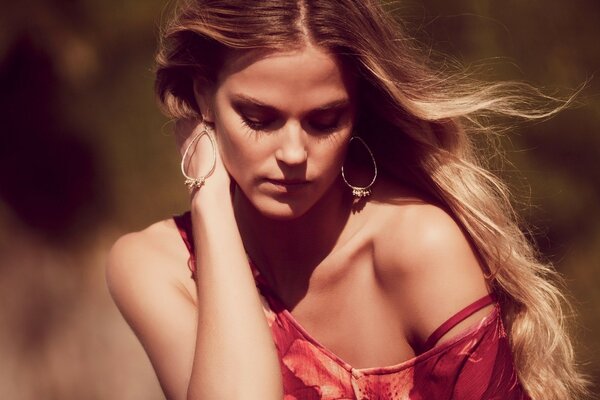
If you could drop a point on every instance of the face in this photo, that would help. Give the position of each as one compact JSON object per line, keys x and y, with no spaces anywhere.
{"x":283,"y":121}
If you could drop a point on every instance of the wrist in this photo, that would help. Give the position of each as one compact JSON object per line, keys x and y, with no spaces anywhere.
{"x":211,"y":197}
{"x":212,"y":212}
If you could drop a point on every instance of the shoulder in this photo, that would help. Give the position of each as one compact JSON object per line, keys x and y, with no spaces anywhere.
{"x":131,"y":252}
{"x":148,"y":279}
{"x":425,"y":261}
{"x":420,"y":235}
{"x":138,"y":260}
{"x":411,"y":233}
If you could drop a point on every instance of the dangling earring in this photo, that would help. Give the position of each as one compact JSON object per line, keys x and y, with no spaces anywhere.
{"x":197,"y":183}
{"x":358,"y":191}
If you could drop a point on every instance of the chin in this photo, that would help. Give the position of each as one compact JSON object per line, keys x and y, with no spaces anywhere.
{"x":282,"y":210}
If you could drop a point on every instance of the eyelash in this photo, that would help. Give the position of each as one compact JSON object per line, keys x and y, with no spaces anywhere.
{"x":260,"y":126}
{"x":253,"y":125}
{"x":327,"y":129}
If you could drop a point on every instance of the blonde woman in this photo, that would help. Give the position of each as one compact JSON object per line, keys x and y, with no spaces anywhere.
{"x":343,"y":240}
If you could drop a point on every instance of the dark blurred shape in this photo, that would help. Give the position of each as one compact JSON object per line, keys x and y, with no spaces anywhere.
{"x":49,"y":176}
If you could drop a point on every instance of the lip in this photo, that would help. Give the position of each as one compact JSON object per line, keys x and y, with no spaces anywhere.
{"x":286,"y":185}
{"x":287,"y":182}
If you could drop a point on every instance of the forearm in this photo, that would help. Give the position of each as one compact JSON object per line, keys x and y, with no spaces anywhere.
{"x":235,"y":354}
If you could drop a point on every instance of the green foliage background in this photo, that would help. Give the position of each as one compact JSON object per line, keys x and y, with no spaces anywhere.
{"x":85,"y":156}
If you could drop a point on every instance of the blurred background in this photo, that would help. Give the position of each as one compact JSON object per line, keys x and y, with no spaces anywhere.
{"x":85,"y":156}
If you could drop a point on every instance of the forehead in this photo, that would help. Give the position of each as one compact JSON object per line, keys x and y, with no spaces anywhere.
{"x":304,"y":77}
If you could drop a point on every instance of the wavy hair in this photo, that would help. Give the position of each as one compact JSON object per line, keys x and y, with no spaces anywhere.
{"x":422,"y":124}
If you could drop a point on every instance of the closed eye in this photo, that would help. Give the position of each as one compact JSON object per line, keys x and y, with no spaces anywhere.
{"x":259,"y":116}
{"x":325,"y":124}
{"x":328,"y":120}
{"x":256,"y":124}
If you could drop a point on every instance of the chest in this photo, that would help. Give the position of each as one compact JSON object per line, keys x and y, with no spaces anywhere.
{"x":351,"y":317}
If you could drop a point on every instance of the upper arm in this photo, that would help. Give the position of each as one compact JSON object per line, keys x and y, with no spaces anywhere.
{"x":429,"y":269}
{"x":157,"y":309}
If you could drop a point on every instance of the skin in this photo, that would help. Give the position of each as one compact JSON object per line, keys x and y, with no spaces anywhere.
{"x":268,"y":137}
{"x":391,"y":273}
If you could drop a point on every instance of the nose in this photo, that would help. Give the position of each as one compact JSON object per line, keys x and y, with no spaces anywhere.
{"x":292,"y":146}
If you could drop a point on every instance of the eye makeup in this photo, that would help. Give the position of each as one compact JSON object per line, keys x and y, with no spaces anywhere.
{"x":259,"y":116}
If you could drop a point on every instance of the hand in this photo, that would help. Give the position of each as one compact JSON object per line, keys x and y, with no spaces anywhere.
{"x":201,"y":156}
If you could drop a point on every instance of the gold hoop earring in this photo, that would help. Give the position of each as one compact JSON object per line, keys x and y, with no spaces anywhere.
{"x":364,"y":191}
{"x":197,"y":183}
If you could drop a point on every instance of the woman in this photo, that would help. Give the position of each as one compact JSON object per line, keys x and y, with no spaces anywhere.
{"x":343,"y":238}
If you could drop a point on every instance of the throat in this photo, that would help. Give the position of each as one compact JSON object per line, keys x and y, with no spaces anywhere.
{"x":287,"y":252}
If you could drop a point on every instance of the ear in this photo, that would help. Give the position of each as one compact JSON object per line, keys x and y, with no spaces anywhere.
{"x":185,"y":128}
{"x":203,"y":94}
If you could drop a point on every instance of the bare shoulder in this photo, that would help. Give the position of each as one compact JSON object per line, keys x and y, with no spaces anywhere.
{"x":147,"y":277}
{"x":413,"y":235}
{"x":425,"y":261}
{"x":136,"y":259}
{"x":156,"y":237}
{"x":417,"y":235}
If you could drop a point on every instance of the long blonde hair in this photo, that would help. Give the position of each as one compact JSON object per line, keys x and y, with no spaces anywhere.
{"x":421,"y":124}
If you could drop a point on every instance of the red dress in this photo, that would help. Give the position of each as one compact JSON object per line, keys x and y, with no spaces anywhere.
{"x":477,"y":364}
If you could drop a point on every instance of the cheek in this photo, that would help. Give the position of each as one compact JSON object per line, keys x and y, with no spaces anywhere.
{"x":331,"y":156}
{"x":240,"y":152}
{"x":234,"y":158}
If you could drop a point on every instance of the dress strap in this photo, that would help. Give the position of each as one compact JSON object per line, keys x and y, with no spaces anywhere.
{"x":184,"y":226}
{"x":456,"y":319}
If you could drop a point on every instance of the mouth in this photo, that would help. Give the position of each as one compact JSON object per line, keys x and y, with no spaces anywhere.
{"x":287,"y":181}
{"x":286,"y":185}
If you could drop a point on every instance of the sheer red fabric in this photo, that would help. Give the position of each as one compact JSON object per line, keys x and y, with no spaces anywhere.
{"x":476,"y":364}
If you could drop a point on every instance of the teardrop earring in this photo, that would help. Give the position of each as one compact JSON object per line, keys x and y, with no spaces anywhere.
{"x":196,"y":183}
{"x":364,"y":191}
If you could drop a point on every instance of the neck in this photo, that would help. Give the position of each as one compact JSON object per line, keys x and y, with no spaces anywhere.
{"x":287,"y":251}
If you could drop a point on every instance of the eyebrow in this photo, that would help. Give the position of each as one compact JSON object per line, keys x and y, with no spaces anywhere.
{"x":336,"y":104}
